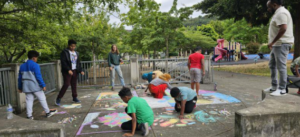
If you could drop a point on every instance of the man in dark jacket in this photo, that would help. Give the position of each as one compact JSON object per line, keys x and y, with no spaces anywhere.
{"x":70,"y":68}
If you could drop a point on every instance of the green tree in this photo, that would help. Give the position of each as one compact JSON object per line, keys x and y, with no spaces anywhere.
{"x":196,"y":38}
{"x":254,"y":12}
{"x":198,"y":21}
{"x":208,"y":30}
{"x":242,"y":32}
{"x":42,"y":25}
{"x":153,"y":29}
{"x":219,"y":27}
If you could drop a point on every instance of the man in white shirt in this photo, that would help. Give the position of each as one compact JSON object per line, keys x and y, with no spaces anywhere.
{"x":281,"y":38}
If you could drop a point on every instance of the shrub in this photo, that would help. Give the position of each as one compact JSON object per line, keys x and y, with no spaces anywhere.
{"x":253,"y":47}
{"x":264,"y":49}
{"x":173,"y":54}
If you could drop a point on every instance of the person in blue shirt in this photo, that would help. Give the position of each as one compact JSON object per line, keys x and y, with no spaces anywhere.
{"x":185,"y":99}
{"x":31,"y":83}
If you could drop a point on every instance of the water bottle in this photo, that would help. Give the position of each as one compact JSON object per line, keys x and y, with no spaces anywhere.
{"x":10,"y":112}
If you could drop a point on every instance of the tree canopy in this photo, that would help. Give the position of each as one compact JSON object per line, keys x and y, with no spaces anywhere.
{"x":253,"y":11}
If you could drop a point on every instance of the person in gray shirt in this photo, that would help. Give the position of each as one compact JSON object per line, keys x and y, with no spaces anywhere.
{"x":158,"y":85}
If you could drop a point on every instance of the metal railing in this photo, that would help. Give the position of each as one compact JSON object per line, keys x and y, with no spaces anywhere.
{"x":48,"y":74}
{"x":5,"y":89}
{"x":176,"y":67}
{"x":97,"y":73}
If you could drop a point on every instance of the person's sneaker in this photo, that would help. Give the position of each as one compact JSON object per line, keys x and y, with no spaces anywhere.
{"x":51,"y":113}
{"x":145,"y":129}
{"x":57,"y":102}
{"x":278,"y":92}
{"x":270,"y":89}
{"x":76,"y":100}
{"x":30,"y":118}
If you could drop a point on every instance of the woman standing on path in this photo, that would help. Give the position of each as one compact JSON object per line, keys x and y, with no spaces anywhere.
{"x":114,"y":60}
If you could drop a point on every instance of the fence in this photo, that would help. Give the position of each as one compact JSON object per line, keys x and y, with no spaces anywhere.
{"x":176,"y":67}
{"x":5,"y":90}
{"x":97,"y":73}
{"x":48,"y":74}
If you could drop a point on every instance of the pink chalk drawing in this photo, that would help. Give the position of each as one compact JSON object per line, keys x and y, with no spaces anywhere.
{"x":204,"y":92}
{"x":114,"y":119}
{"x":62,"y":112}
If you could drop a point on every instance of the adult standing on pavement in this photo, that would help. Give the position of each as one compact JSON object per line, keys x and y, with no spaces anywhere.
{"x":114,"y":60}
{"x":281,"y":39}
{"x":196,"y":65}
{"x":70,"y":68}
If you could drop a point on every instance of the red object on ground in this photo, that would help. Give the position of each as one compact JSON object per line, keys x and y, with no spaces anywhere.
{"x":243,"y":56}
{"x":158,"y":91}
{"x":298,"y":92}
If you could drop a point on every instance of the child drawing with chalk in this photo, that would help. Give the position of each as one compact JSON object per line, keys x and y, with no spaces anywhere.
{"x":140,"y":112}
{"x":185,"y":99}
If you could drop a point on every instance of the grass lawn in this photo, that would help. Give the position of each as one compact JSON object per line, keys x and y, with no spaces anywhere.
{"x":260,"y":69}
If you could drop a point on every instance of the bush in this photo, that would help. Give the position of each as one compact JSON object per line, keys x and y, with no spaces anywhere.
{"x":253,"y":47}
{"x":264,"y":49}
{"x":173,"y":54}
{"x":293,"y":49}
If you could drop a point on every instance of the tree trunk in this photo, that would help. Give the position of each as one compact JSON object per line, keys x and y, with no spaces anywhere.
{"x":20,"y":55}
{"x":297,"y":34}
{"x":167,"y":55}
{"x":94,"y":65}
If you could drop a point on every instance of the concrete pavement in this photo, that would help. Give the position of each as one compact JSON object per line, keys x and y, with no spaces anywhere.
{"x":211,"y":118}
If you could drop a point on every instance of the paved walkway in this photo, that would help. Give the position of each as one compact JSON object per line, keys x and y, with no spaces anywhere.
{"x":213,"y":117}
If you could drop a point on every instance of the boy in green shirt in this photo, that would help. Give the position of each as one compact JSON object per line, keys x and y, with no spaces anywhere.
{"x":140,"y":112}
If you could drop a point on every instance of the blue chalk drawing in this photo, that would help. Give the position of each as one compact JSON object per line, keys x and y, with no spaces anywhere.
{"x":224,"y":97}
{"x":204,"y":117}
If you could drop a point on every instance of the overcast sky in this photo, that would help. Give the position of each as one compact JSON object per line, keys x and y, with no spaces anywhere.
{"x":165,"y":6}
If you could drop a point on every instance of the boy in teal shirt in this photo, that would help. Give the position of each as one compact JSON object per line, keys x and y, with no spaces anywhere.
{"x":185,"y":99}
{"x":140,"y":112}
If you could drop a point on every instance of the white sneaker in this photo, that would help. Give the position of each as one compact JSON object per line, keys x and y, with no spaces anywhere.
{"x":145,"y":129}
{"x":270,"y":89}
{"x":279,"y":92}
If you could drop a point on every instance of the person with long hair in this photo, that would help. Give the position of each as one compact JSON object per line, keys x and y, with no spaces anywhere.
{"x":114,"y":60}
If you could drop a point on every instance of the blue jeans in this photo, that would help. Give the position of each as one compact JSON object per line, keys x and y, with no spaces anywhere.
{"x":116,"y":68}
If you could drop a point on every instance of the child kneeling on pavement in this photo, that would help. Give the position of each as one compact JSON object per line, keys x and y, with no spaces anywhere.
{"x":185,"y":99}
{"x":140,"y":112}
{"x":31,"y":83}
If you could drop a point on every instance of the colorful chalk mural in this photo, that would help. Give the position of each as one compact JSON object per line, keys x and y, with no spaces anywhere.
{"x":204,"y":117}
{"x":170,"y":119}
{"x":108,"y":95}
{"x":156,"y":103}
{"x":108,"y":123}
{"x":111,"y":95}
{"x":114,"y":119}
{"x":71,"y":106}
{"x":110,"y":104}
{"x":205,"y":97}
